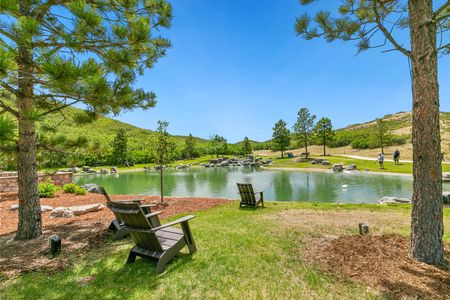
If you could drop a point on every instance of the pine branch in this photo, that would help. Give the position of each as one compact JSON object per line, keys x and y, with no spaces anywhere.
{"x":437,"y":16}
{"x":386,"y":32}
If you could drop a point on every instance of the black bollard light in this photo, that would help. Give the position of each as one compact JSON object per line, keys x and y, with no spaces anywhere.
{"x":55,"y":244}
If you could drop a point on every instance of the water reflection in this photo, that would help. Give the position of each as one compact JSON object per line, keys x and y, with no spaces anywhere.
{"x":278,"y":185}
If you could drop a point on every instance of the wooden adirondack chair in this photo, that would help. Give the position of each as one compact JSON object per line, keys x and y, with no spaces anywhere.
{"x":248,"y":196}
{"x":117,"y":224}
{"x":158,"y":242}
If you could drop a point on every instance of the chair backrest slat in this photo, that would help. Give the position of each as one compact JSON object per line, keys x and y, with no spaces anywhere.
{"x":133,"y":216}
{"x":247,"y":193}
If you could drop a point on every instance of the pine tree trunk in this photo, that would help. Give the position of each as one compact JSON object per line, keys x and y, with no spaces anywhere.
{"x":427,"y":219}
{"x":324,"y":146}
{"x":30,"y":222}
{"x":306,"y":146}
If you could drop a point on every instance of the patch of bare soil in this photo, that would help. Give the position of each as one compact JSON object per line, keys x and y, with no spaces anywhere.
{"x":78,"y":233}
{"x":382,"y":262}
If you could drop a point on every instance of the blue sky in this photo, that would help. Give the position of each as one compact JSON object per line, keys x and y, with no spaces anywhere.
{"x":236,"y":67}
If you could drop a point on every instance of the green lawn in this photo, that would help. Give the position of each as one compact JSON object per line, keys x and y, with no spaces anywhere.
{"x":241,"y":254}
{"x":371,"y":165}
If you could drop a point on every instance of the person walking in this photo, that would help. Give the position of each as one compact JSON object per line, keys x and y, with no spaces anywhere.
{"x":381,"y":160}
{"x":396,"y":156}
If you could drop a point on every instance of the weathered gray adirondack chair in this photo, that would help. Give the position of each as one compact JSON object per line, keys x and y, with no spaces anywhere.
{"x":158,"y":242}
{"x":117,"y":224}
{"x":249,"y":197}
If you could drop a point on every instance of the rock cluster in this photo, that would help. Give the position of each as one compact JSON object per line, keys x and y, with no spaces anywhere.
{"x":71,"y":211}
{"x":237,"y":162}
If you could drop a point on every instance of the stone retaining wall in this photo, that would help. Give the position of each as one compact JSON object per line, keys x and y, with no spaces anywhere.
{"x":9,"y":184}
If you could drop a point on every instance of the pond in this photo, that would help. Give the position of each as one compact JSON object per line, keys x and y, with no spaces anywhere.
{"x":277,"y":185}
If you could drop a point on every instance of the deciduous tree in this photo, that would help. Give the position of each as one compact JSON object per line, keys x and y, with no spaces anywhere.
{"x":246,"y":146}
{"x":373,"y":24}
{"x":163,"y":151}
{"x":54,"y":54}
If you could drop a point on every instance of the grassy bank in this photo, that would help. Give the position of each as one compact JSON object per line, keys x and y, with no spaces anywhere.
{"x":242,"y":254}
{"x":370,"y":165}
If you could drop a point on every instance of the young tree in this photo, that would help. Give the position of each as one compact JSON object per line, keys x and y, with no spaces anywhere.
{"x":246,"y":146}
{"x":324,"y":130}
{"x":375,"y":20}
{"x":189,"y":147}
{"x":58,"y":53}
{"x":120,"y":149}
{"x":163,"y":151}
{"x":382,"y":134}
{"x":304,"y":127}
{"x":281,"y":137}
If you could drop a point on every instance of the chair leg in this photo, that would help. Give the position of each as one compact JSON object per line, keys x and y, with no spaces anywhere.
{"x":131,"y":257}
{"x":120,"y":234}
{"x":188,"y":237}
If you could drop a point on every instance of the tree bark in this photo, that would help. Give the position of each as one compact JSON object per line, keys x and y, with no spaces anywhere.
{"x":162,"y":183}
{"x":324,"y":146}
{"x":30,"y":222}
{"x":306,"y":146}
{"x":426,"y":219}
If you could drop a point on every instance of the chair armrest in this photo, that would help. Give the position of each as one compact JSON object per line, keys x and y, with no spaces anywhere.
{"x":148,"y":205}
{"x":131,"y":200}
{"x":180,"y":220}
{"x":153,"y":214}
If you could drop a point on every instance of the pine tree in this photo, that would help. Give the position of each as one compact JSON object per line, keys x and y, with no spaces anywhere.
{"x":281,"y":137}
{"x":163,"y":151}
{"x":54,"y":54}
{"x":120,"y":148}
{"x":382,"y":134}
{"x":246,"y":146}
{"x":372,"y":24}
{"x":324,"y":131}
{"x":304,"y":126}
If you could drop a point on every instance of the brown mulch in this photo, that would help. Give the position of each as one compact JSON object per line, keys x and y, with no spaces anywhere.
{"x":78,"y":233}
{"x":382,"y":262}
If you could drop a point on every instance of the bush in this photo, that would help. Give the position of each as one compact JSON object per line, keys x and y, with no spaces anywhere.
{"x":47,"y":189}
{"x":72,"y":188}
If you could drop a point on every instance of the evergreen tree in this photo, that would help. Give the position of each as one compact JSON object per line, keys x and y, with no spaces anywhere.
{"x":120,"y":149}
{"x":246,"y":146}
{"x":324,"y":131}
{"x":54,"y":54}
{"x":373,"y":24}
{"x":218,"y":145}
{"x":382,"y":135}
{"x":281,"y":137}
{"x":163,"y":151}
{"x":304,"y":127}
{"x":190,"y":147}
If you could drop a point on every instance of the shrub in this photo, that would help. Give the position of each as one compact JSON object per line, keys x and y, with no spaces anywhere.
{"x":73,"y":188}
{"x":47,"y":189}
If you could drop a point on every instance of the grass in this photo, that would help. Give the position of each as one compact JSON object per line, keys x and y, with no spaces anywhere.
{"x":242,"y":254}
{"x":371,"y":165}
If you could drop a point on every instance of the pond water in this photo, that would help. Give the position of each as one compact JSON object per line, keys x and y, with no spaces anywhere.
{"x":277,"y":185}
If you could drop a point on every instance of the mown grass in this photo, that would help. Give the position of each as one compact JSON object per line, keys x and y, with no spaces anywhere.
{"x":371,"y":165}
{"x":241,"y":254}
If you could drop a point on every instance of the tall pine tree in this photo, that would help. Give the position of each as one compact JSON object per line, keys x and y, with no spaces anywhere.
{"x":54,"y":54}
{"x":373,"y":24}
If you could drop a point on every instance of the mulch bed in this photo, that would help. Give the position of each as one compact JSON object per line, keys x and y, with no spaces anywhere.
{"x":382,"y":262}
{"x":78,"y":233}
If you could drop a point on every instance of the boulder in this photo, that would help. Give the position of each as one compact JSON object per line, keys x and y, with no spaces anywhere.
{"x":85,"y":168}
{"x":390,"y":200}
{"x":43,"y":207}
{"x":350,"y":167}
{"x":114,"y":170}
{"x":91,"y":188}
{"x":104,"y":171}
{"x":326,"y":163}
{"x":337,"y":168}
{"x":68,"y":212}
{"x":74,"y":170}
{"x":319,"y":160}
